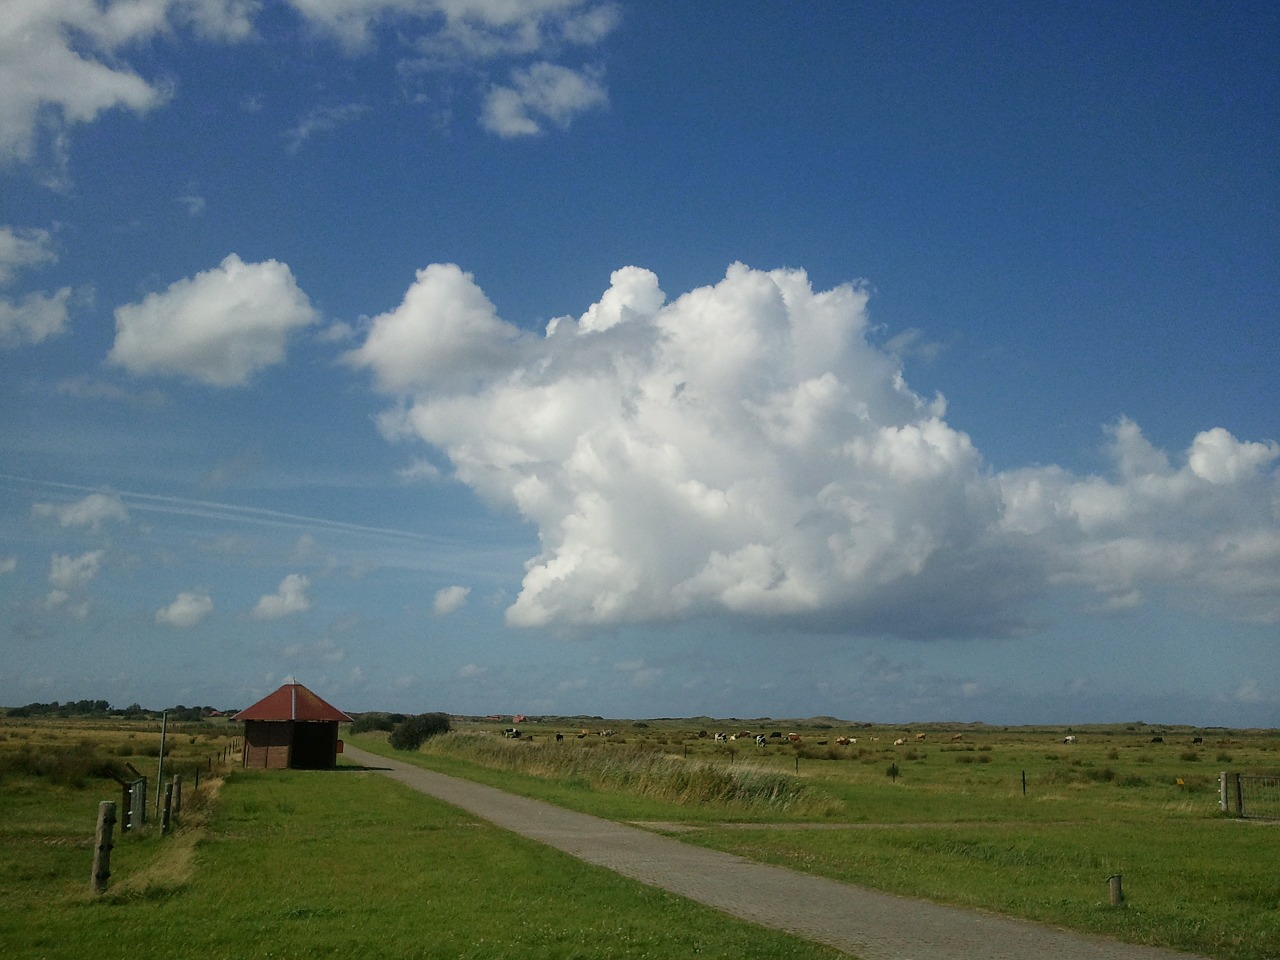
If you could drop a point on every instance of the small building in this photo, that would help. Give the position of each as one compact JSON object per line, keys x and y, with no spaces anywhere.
{"x":291,"y":728}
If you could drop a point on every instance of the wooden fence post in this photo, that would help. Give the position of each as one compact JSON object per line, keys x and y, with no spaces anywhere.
{"x":1113,"y":887}
{"x":177,"y":795}
{"x":168,"y":807}
{"x":102,"y":843}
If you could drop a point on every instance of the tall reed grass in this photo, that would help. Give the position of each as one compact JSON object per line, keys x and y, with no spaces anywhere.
{"x":641,"y":772}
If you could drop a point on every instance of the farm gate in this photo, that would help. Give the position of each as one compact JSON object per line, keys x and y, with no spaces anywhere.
{"x":1251,"y":795}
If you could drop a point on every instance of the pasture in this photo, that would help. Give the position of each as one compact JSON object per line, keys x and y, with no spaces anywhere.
{"x":305,"y":864}
{"x":945,"y":817}
{"x":315,"y":864}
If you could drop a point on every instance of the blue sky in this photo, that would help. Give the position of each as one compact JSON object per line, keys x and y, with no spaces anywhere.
{"x":890,"y":361}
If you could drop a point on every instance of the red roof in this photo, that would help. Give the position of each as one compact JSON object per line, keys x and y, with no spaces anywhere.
{"x":293,"y":701}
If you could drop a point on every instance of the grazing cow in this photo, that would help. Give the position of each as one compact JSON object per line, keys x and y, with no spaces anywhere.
{"x":559,"y":737}
{"x":1068,"y":739}
{"x":899,"y":742}
{"x":919,"y":736}
{"x":721,"y":738}
{"x":1157,"y":739}
{"x":958,"y":736}
{"x":1197,"y":739}
{"x":775,"y":734}
{"x":761,"y":739}
{"x":843,"y":741}
{"x":511,"y":733}
{"x":793,"y":737}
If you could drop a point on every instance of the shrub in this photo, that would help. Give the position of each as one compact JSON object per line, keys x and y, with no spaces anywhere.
{"x":69,"y":766}
{"x":412,"y":732}
{"x":375,"y":720}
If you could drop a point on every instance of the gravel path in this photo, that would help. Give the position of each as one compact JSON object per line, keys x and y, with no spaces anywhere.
{"x":865,"y":923}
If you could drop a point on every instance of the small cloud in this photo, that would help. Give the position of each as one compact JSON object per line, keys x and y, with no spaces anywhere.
{"x":450,"y":600}
{"x":91,"y":512}
{"x":419,"y":470}
{"x":194,"y":204}
{"x":911,"y":344}
{"x":323,"y":120}
{"x":8,"y":564}
{"x":34,"y":319}
{"x":22,"y":250}
{"x":544,"y":92}
{"x":337,"y":332}
{"x":86,"y":388}
{"x":187,"y":610}
{"x":61,"y":600}
{"x":641,"y":675}
{"x":67,"y":573}
{"x":1117,"y":603}
{"x":219,"y":327}
{"x":291,"y":597}
{"x":330,"y":652}
{"x":472,"y":670}
{"x":304,"y":548}
{"x":1249,"y":692}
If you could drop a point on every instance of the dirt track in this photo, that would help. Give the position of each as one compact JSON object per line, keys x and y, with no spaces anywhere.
{"x":858,"y":921}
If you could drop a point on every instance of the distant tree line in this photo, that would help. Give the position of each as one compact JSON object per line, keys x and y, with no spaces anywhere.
{"x":101,"y":708}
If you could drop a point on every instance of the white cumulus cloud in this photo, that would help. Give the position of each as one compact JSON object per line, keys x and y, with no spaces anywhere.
{"x":69,"y":576}
{"x":445,"y":328}
{"x":37,"y":316}
{"x":450,"y":599}
{"x":746,"y":450}
{"x":33,"y":319}
{"x":91,"y":512}
{"x":290,"y":597}
{"x":74,"y":573}
{"x":544,"y":92}
{"x":471,"y":29}
{"x":220,"y":327}
{"x":63,"y":63}
{"x":22,"y":250}
{"x":187,"y":609}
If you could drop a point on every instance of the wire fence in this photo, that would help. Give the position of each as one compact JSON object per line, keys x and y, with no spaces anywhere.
{"x":1260,"y":797}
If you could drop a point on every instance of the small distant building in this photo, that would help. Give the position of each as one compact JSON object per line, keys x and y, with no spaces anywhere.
{"x":291,"y":728}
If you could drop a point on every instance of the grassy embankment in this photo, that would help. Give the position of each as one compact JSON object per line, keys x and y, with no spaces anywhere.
{"x":290,"y":864}
{"x":953,"y":823}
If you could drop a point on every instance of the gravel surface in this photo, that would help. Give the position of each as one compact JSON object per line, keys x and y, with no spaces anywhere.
{"x":864,"y":923}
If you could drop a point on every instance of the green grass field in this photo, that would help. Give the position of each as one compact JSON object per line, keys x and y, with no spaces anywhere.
{"x":949,"y":820}
{"x":320,"y":864}
{"x":299,"y":864}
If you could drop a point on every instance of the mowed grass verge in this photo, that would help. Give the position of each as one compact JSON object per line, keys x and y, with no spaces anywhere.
{"x":294,"y":864}
{"x":1194,"y":880}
